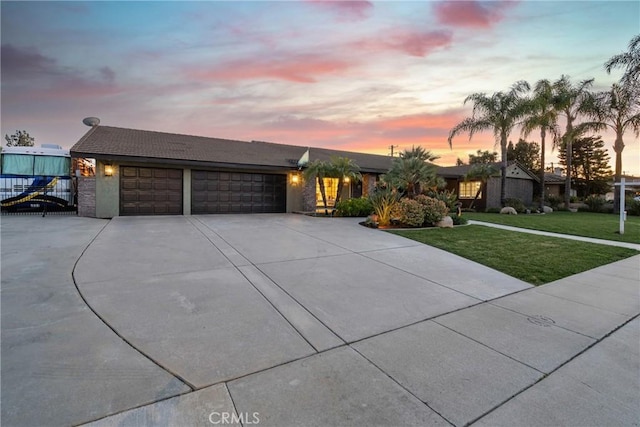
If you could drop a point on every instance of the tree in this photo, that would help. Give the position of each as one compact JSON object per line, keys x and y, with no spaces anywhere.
{"x":499,"y":112}
{"x":412,"y":172}
{"x":482,"y":157}
{"x":568,"y":100}
{"x":20,"y":139}
{"x":318,"y":170}
{"x":343,"y":168}
{"x":590,"y":165}
{"x":629,"y":61}
{"x":525,"y":153}
{"x":480,"y":172}
{"x":541,"y":114}
{"x":619,"y":110}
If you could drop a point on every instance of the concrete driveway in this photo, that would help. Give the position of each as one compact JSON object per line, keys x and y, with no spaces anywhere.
{"x":276,"y":319}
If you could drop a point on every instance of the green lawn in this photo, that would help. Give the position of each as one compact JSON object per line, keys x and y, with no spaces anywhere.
{"x":532,"y":258}
{"x":596,"y":225}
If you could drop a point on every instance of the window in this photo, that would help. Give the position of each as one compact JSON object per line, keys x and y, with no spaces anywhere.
{"x":468,"y":190}
{"x":330,"y":190}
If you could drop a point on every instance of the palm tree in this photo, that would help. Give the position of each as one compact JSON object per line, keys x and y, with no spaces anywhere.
{"x":542,"y":115}
{"x":568,"y":100}
{"x":318,"y":170}
{"x":630,"y":61}
{"x":412,"y":172}
{"x":499,"y":112}
{"x":481,"y":172}
{"x":344,"y":168}
{"x":619,"y":110}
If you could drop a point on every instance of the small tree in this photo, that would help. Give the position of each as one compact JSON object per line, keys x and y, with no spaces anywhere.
{"x":343,"y":168}
{"x":412,"y":171}
{"x":318,"y":170}
{"x":481,"y":172}
{"x":525,"y":153}
{"x":20,"y":139}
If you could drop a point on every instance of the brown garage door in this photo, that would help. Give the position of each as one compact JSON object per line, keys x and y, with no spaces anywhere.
{"x":150,"y":191}
{"x":237,"y":192}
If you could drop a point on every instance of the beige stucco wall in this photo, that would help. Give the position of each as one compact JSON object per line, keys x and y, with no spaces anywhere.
{"x":107,"y":191}
{"x":294,"y":192}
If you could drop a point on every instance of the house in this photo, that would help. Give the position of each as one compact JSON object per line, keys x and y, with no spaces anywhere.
{"x":519,"y":184}
{"x":139,"y":172}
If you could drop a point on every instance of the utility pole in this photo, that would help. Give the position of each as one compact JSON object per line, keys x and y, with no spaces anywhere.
{"x":391,"y":147}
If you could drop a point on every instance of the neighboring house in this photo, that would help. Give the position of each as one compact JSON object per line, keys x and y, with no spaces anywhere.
{"x":520,"y":185}
{"x":140,"y":172}
{"x":554,"y":184}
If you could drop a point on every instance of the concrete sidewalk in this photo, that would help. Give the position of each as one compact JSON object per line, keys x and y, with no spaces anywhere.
{"x":562,"y":236}
{"x":293,"y":320}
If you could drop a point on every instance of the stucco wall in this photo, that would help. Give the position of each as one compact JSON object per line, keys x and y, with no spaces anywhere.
{"x":107,"y":191}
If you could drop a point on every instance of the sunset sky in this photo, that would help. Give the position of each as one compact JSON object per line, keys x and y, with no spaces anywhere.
{"x":358,"y":75}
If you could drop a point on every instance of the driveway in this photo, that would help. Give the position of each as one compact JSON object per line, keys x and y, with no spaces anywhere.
{"x":281,"y":319}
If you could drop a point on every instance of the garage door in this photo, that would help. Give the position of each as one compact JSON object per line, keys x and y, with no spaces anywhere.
{"x":150,"y":191}
{"x":235,"y":192}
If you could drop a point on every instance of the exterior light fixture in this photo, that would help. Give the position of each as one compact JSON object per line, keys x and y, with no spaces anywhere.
{"x":347,"y":180}
{"x":295,"y":179}
{"x":108,"y":170}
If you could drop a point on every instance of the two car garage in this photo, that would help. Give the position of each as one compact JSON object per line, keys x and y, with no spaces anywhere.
{"x":159,"y":191}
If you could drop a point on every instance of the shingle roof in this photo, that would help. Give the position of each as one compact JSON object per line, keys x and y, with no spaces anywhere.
{"x":107,"y":142}
{"x":463,"y":170}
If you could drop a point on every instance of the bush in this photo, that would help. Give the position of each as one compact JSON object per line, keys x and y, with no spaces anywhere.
{"x":458,"y":220}
{"x":434,"y":210}
{"x":410,"y":212}
{"x":632,"y":207}
{"x":595,"y":203}
{"x":450,"y":198}
{"x":553,"y":201}
{"x":515,"y":204}
{"x":493,"y":210}
{"x":354,"y":207}
{"x":383,"y":201}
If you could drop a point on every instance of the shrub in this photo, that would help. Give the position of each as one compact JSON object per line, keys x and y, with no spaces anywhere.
{"x":383,"y":201}
{"x":554,"y":201}
{"x":434,"y":210}
{"x":450,"y":198}
{"x":493,"y":210}
{"x":632,"y":206}
{"x":458,"y":220}
{"x":410,"y":212}
{"x":515,"y":204}
{"x":360,"y":206}
{"x":595,"y":202}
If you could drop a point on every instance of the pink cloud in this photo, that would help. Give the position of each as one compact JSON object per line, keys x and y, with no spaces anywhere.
{"x":471,"y":14}
{"x":414,"y":43}
{"x":356,"y":10}
{"x":294,"y":68}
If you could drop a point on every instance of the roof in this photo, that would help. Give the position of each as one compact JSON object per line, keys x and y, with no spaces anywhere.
{"x":113,"y":143}
{"x":461,"y":171}
{"x":551,"y":178}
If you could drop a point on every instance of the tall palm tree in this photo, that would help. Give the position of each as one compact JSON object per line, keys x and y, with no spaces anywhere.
{"x":568,"y":100}
{"x":542,"y":115}
{"x":630,"y":61}
{"x":318,"y":170}
{"x":619,"y":110}
{"x":344,"y":168}
{"x":499,"y":112}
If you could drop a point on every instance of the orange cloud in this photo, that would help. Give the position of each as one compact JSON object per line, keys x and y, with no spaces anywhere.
{"x":294,"y":68}
{"x":472,"y":14}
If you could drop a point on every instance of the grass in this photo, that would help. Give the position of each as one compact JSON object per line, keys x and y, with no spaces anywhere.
{"x":531,"y":258}
{"x":596,"y":225}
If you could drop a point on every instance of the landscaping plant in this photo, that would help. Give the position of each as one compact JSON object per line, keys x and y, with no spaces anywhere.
{"x":434,"y":209}
{"x":383,"y":201}
{"x":410,"y":212}
{"x":360,"y":206}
